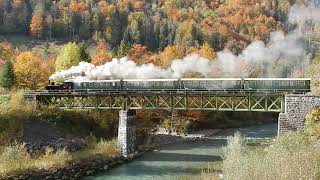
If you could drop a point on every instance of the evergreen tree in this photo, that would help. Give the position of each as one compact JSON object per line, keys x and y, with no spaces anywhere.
{"x":118,"y":22}
{"x":7,"y":75}
{"x":84,"y":55}
{"x":123,"y":49}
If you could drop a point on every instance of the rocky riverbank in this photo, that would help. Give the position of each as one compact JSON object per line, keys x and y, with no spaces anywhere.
{"x":85,"y":167}
{"x":40,"y":134}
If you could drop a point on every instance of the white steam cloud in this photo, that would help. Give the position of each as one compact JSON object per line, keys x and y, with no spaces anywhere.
{"x":283,"y":55}
{"x":226,"y":64}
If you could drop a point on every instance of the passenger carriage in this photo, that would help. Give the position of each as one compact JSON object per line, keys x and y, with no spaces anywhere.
{"x":294,"y":85}
{"x":213,"y":84}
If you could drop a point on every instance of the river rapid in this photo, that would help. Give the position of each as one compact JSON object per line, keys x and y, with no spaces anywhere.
{"x":183,"y":159}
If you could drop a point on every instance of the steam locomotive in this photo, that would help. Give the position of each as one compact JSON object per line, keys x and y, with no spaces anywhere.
{"x":295,"y":85}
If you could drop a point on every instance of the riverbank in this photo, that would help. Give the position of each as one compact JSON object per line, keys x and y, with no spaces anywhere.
{"x":77,"y":168}
{"x":80,"y":168}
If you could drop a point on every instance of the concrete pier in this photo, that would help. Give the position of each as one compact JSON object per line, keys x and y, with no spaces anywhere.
{"x":127,"y":132}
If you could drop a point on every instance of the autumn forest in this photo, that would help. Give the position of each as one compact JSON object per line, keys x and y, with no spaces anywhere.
{"x":63,"y":32}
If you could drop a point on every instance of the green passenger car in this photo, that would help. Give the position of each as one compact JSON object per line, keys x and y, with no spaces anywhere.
{"x":277,"y":84}
{"x":97,"y":85}
{"x":214,"y":84}
{"x":150,"y":84}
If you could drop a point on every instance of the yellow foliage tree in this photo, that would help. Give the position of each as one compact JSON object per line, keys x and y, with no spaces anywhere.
{"x":204,"y":51}
{"x":170,"y":53}
{"x":207,"y":52}
{"x":31,"y":71}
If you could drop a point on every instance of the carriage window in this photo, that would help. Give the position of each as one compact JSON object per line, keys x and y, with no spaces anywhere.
{"x":187,"y":83}
{"x":302,"y":83}
{"x":84,"y":84}
{"x":91,"y":84}
{"x":285,"y":83}
{"x":96,"y":85}
{"x":276,"y":83}
{"x":195,"y":83}
{"x":202,"y":83}
{"x":253,"y":83}
{"x":170,"y":83}
{"x":268,"y":83}
{"x":150,"y":83}
{"x":259,"y":83}
{"x":130,"y":83}
{"x":135,"y":83}
{"x":293,"y":83}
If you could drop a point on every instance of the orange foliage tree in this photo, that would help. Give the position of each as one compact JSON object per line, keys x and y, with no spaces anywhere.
{"x":140,"y":54}
{"x":78,"y":6}
{"x":101,"y":55}
{"x":36,"y":25}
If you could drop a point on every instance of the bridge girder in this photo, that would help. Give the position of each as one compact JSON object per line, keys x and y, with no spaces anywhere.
{"x":217,"y":101}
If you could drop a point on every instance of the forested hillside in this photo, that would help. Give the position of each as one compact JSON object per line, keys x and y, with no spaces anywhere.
{"x":152,"y":23}
{"x":55,"y":35}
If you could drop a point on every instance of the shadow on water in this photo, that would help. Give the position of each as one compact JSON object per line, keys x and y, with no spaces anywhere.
{"x":183,"y":158}
{"x":165,"y":156}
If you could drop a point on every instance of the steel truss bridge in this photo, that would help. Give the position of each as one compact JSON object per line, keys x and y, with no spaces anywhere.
{"x":164,"y":99}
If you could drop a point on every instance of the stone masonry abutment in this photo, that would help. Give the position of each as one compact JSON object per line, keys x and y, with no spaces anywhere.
{"x":295,"y":110}
{"x":127,"y":132}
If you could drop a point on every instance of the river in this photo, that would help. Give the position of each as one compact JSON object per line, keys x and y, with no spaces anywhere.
{"x":184,"y":158}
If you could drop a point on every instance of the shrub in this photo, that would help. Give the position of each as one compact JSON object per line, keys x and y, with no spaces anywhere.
{"x":291,"y":156}
{"x":52,"y":159}
{"x":106,"y":148}
{"x":14,"y":159}
{"x":312,"y":123}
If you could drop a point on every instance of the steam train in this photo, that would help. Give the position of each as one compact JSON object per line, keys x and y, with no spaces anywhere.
{"x":294,"y":85}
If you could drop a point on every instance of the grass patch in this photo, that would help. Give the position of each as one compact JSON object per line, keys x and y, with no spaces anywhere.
{"x":12,"y":115}
{"x":104,"y":148}
{"x":15,"y":160}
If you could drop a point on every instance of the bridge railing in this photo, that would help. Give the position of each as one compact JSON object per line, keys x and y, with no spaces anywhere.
{"x":105,"y":91}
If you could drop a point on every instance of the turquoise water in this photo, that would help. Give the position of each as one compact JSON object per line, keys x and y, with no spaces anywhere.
{"x":182,"y":159}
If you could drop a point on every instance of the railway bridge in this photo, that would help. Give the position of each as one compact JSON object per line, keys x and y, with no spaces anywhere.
{"x":292,"y":107}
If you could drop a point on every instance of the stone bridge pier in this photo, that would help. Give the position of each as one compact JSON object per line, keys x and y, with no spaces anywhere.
{"x":127,"y":132}
{"x":295,"y":110}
